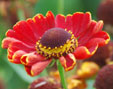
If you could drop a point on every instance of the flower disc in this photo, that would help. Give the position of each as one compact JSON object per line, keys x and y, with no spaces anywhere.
{"x":55,"y":37}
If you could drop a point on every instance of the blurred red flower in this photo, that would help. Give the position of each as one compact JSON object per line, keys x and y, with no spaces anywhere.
{"x":35,"y":42}
{"x":45,"y":83}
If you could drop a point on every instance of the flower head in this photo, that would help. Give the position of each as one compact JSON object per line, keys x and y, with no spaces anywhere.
{"x":45,"y":83}
{"x":87,"y":70}
{"x":35,"y":42}
{"x":105,"y":11}
{"x":104,"y":79}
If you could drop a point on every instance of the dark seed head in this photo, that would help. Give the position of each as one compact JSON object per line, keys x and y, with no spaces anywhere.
{"x":55,"y":37}
{"x":105,"y":11}
{"x":104,"y":79}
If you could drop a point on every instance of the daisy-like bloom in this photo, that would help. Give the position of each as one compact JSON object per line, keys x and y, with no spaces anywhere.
{"x":35,"y":42}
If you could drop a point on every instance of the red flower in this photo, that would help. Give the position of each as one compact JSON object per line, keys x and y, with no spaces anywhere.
{"x":45,"y":83}
{"x":36,"y":41}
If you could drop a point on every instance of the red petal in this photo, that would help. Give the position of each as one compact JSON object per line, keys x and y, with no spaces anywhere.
{"x":31,"y":58}
{"x":11,"y":33}
{"x":50,"y":19}
{"x":14,"y":46}
{"x":6,"y":41}
{"x":24,"y":30}
{"x":10,"y":55}
{"x":14,"y":53}
{"x":60,"y":21}
{"x":16,"y":35}
{"x":83,"y":52}
{"x":28,"y":70}
{"x":87,"y":34}
{"x":37,"y":68}
{"x":98,"y":26}
{"x":17,"y":56}
{"x":29,"y":31}
{"x":77,"y":23}
{"x":93,"y":28}
{"x":33,"y":27}
{"x":101,"y":37}
{"x":41,"y":24}
{"x":99,"y":41}
{"x":80,"y":22}
{"x":69,"y":22}
{"x":68,"y":61}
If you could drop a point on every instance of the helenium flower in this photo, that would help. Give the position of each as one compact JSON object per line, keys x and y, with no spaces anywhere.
{"x":36,"y":41}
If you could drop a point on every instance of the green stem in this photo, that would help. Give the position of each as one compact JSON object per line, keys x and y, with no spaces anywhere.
{"x":60,"y":6}
{"x":62,"y":76}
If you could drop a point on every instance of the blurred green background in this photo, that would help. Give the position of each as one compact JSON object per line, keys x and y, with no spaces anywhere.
{"x":11,"y":11}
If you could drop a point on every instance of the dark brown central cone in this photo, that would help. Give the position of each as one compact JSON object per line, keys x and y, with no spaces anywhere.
{"x":55,"y":37}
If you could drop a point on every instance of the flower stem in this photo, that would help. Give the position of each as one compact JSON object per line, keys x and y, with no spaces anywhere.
{"x":62,"y":76}
{"x":60,"y":6}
